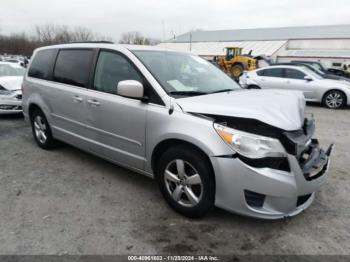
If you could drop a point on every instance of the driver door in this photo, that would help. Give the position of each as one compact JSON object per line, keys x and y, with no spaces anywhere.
{"x":119,"y":123}
{"x":295,"y":81}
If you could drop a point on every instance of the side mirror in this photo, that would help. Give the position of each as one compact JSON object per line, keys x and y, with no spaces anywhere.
{"x":308,"y":78}
{"x":130,"y":88}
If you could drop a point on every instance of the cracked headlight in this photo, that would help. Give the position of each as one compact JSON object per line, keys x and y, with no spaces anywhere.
{"x":250,"y":145}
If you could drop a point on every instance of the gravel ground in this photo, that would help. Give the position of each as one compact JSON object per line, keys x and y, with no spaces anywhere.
{"x":69,"y":202}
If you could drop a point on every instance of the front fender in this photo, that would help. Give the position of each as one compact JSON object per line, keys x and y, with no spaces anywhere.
{"x":186,"y":127}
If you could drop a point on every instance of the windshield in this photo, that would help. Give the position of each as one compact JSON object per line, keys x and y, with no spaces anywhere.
{"x":312,"y":73}
{"x":316,"y":70}
{"x":8,"y":70}
{"x":185,"y":74}
{"x":319,"y":67}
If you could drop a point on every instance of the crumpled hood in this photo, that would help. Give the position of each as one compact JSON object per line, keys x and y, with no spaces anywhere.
{"x":11,"y":82}
{"x":278,"y":108}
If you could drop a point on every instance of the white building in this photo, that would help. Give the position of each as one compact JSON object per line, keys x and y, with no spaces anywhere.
{"x":327,"y":44}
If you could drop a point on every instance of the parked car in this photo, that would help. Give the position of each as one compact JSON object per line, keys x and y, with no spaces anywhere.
{"x":15,"y":61}
{"x":331,"y":93}
{"x":176,"y":117}
{"x":339,"y":72}
{"x":11,"y":78}
{"x":318,"y":65}
{"x":315,"y":69}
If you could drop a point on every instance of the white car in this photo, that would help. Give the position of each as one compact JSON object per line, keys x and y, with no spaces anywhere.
{"x":15,"y":61}
{"x":11,"y":78}
{"x":331,"y":93}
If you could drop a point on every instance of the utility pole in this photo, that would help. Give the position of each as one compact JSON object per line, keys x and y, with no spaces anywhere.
{"x":190,"y":41}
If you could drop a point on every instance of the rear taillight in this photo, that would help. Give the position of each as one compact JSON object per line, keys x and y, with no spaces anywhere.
{"x":22,"y":88}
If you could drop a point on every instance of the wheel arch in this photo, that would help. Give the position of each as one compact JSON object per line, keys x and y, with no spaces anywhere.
{"x":36,"y":101}
{"x":338,"y":90}
{"x":163,"y":145}
{"x":31,"y":108}
{"x":253,"y":86}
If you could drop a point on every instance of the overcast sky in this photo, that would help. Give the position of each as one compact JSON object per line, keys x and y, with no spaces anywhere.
{"x":162,"y":18}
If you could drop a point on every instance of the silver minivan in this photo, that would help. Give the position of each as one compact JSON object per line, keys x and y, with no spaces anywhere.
{"x":176,"y":117}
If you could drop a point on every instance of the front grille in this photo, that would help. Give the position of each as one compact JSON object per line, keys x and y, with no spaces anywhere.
{"x":254,"y":199}
{"x":302,"y":199}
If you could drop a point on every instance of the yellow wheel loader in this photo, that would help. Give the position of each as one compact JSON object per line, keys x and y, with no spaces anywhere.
{"x":234,"y":63}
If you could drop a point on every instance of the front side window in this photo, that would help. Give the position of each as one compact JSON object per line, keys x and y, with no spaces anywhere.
{"x":112,"y":68}
{"x":272,"y":72}
{"x":182,"y":74}
{"x":260,"y":72}
{"x":294,"y":74}
{"x":42,"y":64}
{"x":73,"y":67}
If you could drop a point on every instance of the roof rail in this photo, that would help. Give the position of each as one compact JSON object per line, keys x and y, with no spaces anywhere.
{"x":92,"y":42}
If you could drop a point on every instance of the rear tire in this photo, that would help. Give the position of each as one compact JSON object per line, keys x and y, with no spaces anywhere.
{"x":186,"y":181}
{"x":41,"y":130}
{"x":334,"y":99}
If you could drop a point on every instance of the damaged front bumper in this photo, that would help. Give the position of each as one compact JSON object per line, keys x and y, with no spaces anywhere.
{"x":315,"y":161}
{"x":272,"y":190}
{"x":10,"y":104}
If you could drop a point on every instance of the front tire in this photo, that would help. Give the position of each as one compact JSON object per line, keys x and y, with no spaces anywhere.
{"x":186,"y":181}
{"x":334,"y":99}
{"x":41,"y":130}
{"x":237,"y":71}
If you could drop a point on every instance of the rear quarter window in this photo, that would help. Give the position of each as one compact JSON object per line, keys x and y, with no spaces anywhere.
{"x":73,"y":67}
{"x":42,"y":63}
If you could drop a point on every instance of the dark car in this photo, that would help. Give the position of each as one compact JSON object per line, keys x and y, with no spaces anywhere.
{"x":315,"y":70}
{"x":332,"y":71}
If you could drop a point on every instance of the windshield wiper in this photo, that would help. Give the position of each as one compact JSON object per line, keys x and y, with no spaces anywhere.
{"x":221,"y":91}
{"x":187,"y":93}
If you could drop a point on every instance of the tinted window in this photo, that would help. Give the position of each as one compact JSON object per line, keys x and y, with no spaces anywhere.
{"x":112,"y":68}
{"x":73,"y":67}
{"x":273,"y":72}
{"x":42,"y":64}
{"x":260,"y":73}
{"x":294,"y":74}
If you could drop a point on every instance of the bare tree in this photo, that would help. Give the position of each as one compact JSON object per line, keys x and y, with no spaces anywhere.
{"x":59,"y":34}
{"x":83,"y":34}
{"x":45,"y":33}
{"x":49,"y":34}
{"x":136,"y":38}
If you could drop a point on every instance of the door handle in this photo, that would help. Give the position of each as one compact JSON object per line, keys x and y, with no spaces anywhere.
{"x":93,"y":102}
{"x":77,"y":99}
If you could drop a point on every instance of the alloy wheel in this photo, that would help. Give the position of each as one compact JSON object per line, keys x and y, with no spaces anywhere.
{"x":183,"y":183}
{"x":334,"y":100}
{"x":40,"y":129}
